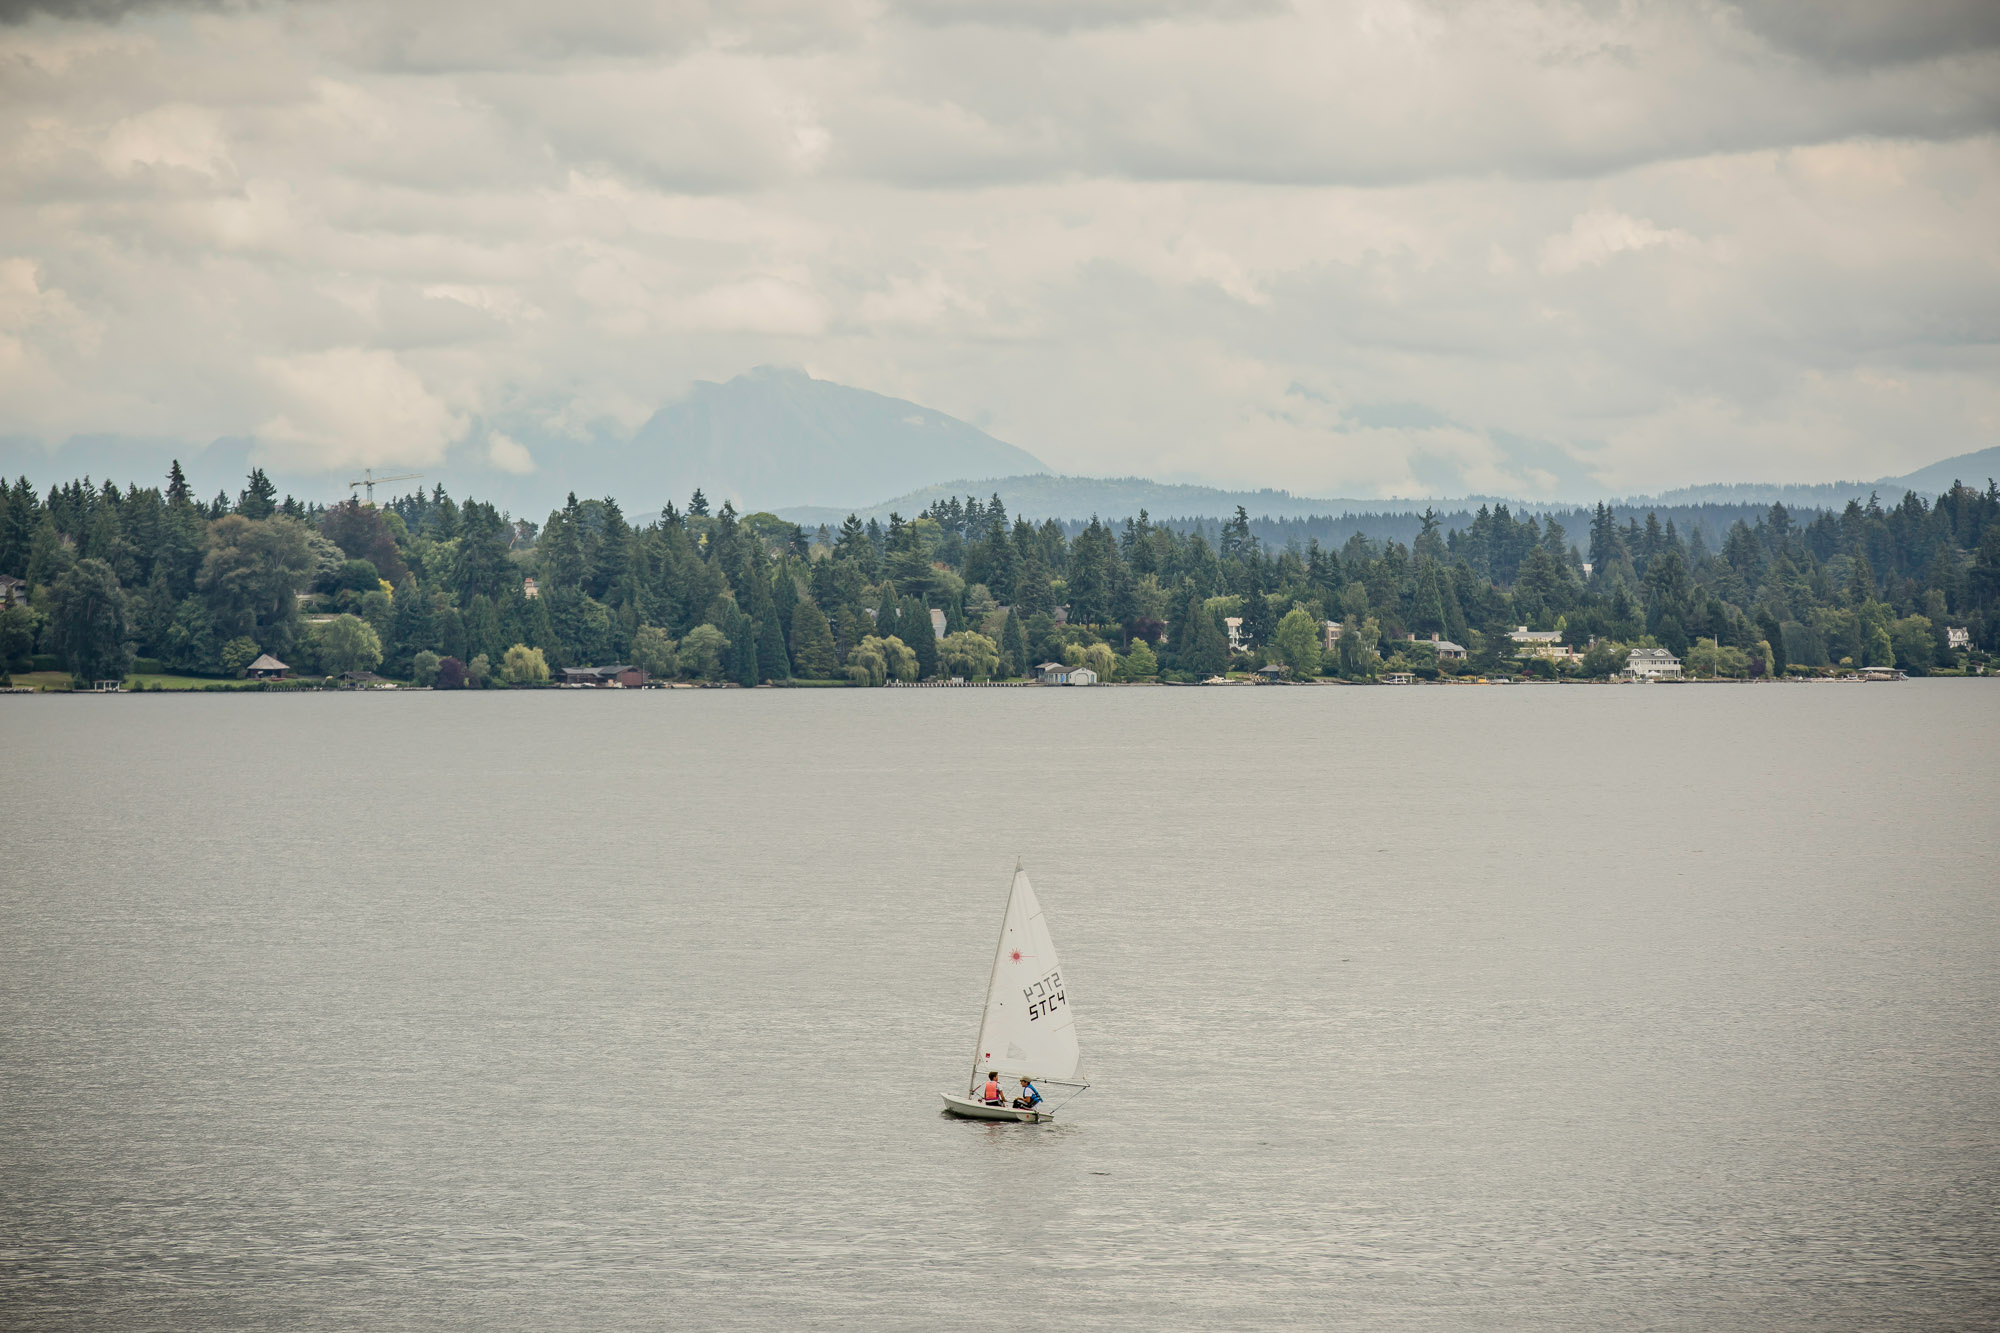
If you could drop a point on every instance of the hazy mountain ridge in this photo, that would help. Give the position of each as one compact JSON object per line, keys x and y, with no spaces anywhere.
{"x":771,"y":436}
{"x":1067,"y":498}
{"x":814,"y":451}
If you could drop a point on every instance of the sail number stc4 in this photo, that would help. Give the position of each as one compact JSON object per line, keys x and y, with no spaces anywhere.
{"x":1045,"y":996}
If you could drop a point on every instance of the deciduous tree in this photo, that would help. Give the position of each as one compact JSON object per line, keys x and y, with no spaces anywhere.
{"x":1297,"y":643}
{"x":524,"y":666}
{"x":349,"y":643}
{"x":88,"y":626}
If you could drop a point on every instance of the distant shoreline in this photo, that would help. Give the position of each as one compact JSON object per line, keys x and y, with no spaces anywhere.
{"x":311,"y":687}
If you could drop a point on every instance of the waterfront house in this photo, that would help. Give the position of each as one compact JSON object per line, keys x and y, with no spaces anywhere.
{"x":1541,"y":643}
{"x":1234,"y":625}
{"x":266,"y":667}
{"x":1446,"y":650}
{"x":937,"y":624}
{"x":1652,"y":664}
{"x":1082,"y":676}
{"x":1329,"y":634}
{"x":1957,"y":638}
{"x":12,"y":590}
{"x":605,"y":677}
{"x":529,"y":588}
{"x":1272,"y":673}
{"x":1052,"y":673}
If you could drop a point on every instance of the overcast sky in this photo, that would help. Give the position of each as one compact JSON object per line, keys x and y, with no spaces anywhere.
{"x":1368,"y":248}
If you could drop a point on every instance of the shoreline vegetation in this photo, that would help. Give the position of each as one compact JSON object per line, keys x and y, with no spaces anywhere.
{"x":151,"y":589}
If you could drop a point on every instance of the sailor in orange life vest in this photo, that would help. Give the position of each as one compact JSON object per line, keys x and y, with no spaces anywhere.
{"x":991,"y":1093}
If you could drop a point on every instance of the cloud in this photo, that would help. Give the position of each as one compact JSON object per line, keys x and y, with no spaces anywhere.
{"x":1865,"y":33}
{"x":509,"y":455}
{"x":1596,"y":236}
{"x":356,"y":406}
{"x":1521,"y":244}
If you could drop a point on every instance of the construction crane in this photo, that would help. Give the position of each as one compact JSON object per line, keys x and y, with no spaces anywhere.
{"x":369,"y":480}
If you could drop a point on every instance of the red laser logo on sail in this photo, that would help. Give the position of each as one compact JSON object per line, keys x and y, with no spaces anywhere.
{"x":1016,"y":955}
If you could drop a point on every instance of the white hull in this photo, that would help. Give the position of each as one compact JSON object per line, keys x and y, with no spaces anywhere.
{"x":976,"y":1110}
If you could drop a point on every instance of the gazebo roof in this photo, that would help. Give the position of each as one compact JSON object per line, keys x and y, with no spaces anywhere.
{"x":267,"y":663}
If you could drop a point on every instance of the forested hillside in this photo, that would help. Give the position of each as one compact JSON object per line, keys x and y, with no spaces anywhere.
{"x":429,"y":588}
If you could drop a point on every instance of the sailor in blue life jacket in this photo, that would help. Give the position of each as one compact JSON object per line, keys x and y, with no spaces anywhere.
{"x":1029,"y":1098}
{"x":991,"y":1093}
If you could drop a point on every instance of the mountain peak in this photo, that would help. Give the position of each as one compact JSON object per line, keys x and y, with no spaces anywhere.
{"x":774,"y":435}
{"x":771,"y":372}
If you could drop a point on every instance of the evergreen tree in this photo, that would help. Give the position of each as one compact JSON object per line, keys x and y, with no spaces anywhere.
{"x":1208,"y":647}
{"x":259,"y":496}
{"x":888,"y":612}
{"x":482,"y":628}
{"x":1774,"y":634}
{"x":916,"y":633}
{"x":813,"y":652}
{"x":560,"y":553}
{"x":480,"y":566}
{"x":773,"y":663}
{"x":1258,"y":622}
{"x":1013,"y":646}
{"x":745,"y":642}
{"x":415,"y":627}
{"x":177,"y":485}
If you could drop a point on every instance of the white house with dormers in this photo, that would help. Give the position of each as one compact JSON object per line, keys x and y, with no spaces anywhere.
{"x":1957,"y":638}
{"x":1652,"y":664}
{"x":1541,"y":643}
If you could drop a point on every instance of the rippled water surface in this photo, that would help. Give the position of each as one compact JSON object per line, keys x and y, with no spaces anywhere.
{"x":1534,"y":1008}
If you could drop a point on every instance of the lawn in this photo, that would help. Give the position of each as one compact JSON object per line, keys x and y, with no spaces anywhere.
{"x":152,"y":681}
{"x":158,"y":681}
{"x":43,"y":680}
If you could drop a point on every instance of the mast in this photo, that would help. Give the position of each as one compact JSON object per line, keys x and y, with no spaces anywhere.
{"x":979,"y":1029}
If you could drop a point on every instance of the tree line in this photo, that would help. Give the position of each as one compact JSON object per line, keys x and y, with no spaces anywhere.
{"x":431,"y":589}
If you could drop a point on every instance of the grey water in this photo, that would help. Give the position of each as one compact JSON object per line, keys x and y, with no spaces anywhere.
{"x":1530,"y":1008}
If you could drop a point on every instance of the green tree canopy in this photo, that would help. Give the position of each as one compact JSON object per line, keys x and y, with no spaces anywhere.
{"x":524,"y":666}
{"x":701,"y":652}
{"x":1297,"y":641}
{"x":970,"y":655}
{"x":654,"y":653}
{"x":349,"y":643}
{"x":1140,"y":663}
{"x":814,"y":653}
{"x":88,"y":626}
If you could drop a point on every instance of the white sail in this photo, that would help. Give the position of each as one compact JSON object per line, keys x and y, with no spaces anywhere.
{"x":1029,"y":1027}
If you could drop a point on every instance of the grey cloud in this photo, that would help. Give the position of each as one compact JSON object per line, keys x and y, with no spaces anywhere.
{"x":1063,"y":16}
{"x":1870,"y":33}
{"x":1325,"y":100}
{"x":1645,"y":244}
{"x":96,"y":11}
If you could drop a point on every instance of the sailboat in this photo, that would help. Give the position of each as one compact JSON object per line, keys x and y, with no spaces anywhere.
{"x":1028,"y":1027}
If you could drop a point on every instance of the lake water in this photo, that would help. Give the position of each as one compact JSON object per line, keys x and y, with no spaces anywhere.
{"x":1531,"y":1008}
